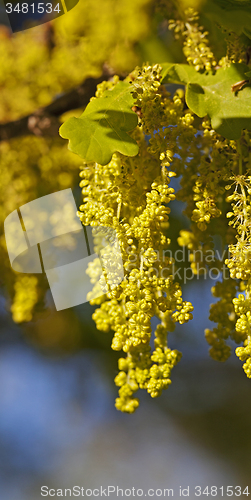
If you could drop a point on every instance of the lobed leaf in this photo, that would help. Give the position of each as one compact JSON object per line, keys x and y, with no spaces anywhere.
{"x":102,"y":128}
{"x":211,"y":94}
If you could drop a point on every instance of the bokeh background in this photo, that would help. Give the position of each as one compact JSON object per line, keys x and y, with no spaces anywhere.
{"x":58,"y":424}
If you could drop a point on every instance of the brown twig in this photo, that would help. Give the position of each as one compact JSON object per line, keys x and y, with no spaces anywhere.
{"x":45,"y":121}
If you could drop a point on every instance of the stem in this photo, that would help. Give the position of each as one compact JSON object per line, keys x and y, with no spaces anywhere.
{"x":244,"y":210}
{"x":164,"y":173}
{"x":141,"y":267}
{"x":180,"y":12}
{"x":96,"y":173}
{"x":119,"y":209}
{"x":239,"y":151}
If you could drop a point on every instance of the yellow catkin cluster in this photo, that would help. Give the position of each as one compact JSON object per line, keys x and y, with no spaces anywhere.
{"x":26,"y":296}
{"x":242,"y":305}
{"x":222,"y":313}
{"x":195,"y":42}
{"x":132,"y":197}
{"x":205,"y":169}
{"x":239,"y":261}
{"x":236,"y":50}
{"x":240,"y":253}
{"x":232,"y":311}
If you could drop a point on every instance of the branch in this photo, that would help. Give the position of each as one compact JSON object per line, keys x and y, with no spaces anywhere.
{"x":45,"y":121}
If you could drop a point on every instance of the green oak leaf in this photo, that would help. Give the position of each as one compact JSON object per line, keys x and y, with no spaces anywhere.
{"x":102,"y":128}
{"x":178,"y":73}
{"x":211,"y":94}
{"x":165,"y":71}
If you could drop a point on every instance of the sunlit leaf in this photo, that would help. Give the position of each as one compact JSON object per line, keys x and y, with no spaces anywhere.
{"x":211,"y":94}
{"x":102,"y":129}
